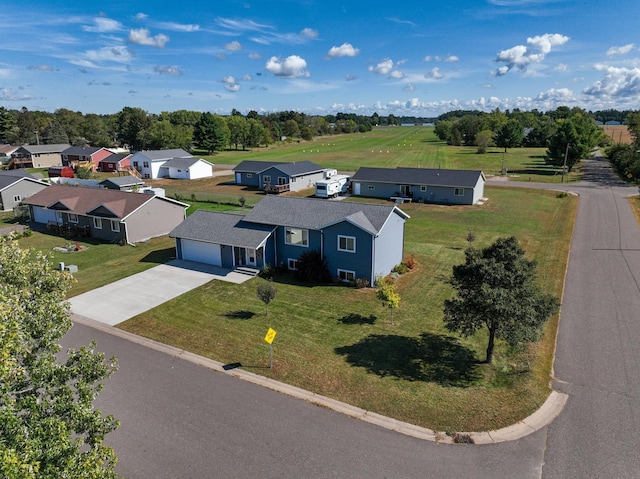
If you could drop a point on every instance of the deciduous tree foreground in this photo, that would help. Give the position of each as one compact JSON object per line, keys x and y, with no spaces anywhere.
{"x":48,"y":425}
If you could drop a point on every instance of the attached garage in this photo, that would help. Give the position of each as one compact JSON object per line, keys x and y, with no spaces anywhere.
{"x":201,"y":252}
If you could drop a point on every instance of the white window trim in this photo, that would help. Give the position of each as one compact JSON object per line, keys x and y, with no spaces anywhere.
{"x":371,"y":187}
{"x":346,"y":250}
{"x":423,"y":188}
{"x":249,"y":175}
{"x":266,"y":179}
{"x":115,"y":226}
{"x":302,"y":234}
{"x":458,"y":192}
{"x":292,"y":264}
{"x":97,"y":223}
{"x":17,"y":198}
{"x":73,"y":218}
{"x":346,"y":275}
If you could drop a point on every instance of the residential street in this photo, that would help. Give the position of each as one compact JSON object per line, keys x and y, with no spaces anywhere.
{"x":183,"y":420}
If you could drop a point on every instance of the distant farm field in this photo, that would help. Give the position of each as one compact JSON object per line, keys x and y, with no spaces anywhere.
{"x":390,"y":147}
{"x":618,"y":133}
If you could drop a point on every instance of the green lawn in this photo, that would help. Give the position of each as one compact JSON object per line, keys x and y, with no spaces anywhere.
{"x":389,"y":147}
{"x":338,"y":341}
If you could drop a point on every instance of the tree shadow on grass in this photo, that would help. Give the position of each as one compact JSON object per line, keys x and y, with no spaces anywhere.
{"x":354,"y":318}
{"x":240,"y":314}
{"x":431,"y":358}
{"x":159,"y":256}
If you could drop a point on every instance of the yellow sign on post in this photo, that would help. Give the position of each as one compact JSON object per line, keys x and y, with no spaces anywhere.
{"x":271,"y":334}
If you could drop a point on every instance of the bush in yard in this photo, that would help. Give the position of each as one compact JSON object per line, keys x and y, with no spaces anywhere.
{"x":361,"y":283}
{"x":312,"y":267}
{"x":410,"y":262}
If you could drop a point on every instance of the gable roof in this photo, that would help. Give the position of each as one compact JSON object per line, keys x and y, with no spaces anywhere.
{"x":8,"y":149}
{"x":222,"y":228}
{"x":254,"y":166}
{"x":419,"y":176}
{"x":81,"y":150}
{"x":119,"y":181}
{"x":92,"y":201}
{"x":316,"y":214}
{"x":43,"y":149}
{"x":19,"y":173}
{"x":155,"y":155}
{"x":115,"y":157}
{"x":298,"y":168}
{"x":9,"y":180}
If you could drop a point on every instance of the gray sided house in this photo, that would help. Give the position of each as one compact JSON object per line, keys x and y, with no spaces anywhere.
{"x":358,"y":240}
{"x":110,"y":215}
{"x":425,"y":185}
{"x":15,"y":186}
{"x":277,"y":177}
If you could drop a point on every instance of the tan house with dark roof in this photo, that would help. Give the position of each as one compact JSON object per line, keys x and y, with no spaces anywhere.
{"x":110,"y":215}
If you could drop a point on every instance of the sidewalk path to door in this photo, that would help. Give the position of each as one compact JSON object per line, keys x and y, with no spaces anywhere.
{"x":116,"y":302}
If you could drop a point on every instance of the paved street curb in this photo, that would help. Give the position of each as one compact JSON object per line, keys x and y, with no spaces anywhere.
{"x":551,"y":408}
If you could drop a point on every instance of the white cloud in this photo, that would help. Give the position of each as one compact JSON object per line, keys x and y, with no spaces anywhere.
{"x":434,"y":74}
{"x":618,"y":82}
{"x":7,"y":94}
{"x":382,"y":68}
{"x":408,"y":87}
{"x":118,"y":54}
{"x":42,"y":68}
{"x":102,"y":25}
{"x":179,"y":27}
{"x":231,"y":84}
{"x":620,"y":50}
{"x":233,"y":46}
{"x":247,"y":77}
{"x":140,"y":36}
{"x":561,"y":67}
{"x":168,"y":70}
{"x":141,"y":16}
{"x":254,"y":56}
{"x":309,"y":33}
{"x":521,"y":56}
{"x":344,"y":50}
{"x":451,"y":58}
{"x":291,"y":67}
{"x":396,"y":75}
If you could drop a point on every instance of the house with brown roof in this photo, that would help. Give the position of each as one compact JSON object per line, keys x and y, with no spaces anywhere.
{"x":110,"y":215}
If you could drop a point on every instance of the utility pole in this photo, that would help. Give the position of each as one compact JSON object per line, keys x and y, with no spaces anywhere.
{"x":564,"y":165}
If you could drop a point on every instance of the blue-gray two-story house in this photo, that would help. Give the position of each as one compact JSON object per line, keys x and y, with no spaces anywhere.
{"x":358,"y":240}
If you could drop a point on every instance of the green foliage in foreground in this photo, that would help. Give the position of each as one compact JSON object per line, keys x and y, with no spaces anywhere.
{"x":48,"y":426}
{"x":496,"y":288}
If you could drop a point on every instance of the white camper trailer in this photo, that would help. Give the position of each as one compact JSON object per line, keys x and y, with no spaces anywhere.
{"x":332,"y":186}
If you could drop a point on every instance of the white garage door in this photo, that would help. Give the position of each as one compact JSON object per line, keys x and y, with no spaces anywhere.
{"x":201,"y":252}
{"x":43,"y":215}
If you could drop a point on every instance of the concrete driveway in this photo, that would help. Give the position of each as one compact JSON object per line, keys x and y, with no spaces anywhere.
{"x":128,"y":297}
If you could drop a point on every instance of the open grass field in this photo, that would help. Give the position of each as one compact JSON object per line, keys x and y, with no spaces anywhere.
{"x":618,"y":133}
{"x":338,"y":341}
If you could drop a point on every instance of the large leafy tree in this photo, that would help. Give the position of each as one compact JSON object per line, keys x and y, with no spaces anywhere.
{"x":575,"y":139}
{"x":497,"y":290}
{"x":238,"y":129}
{"x":132,"y":126}
{"x":509,"y":135}
{"x":211,"y":132}
{"x":48,"y":425}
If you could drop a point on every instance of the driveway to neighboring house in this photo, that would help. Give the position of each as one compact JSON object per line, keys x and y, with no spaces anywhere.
{"x":128,"y":297}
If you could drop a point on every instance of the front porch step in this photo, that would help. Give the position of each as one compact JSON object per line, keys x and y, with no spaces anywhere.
{"x":247,"y":270}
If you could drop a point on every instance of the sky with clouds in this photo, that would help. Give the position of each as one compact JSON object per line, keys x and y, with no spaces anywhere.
{"x":419,"y":58}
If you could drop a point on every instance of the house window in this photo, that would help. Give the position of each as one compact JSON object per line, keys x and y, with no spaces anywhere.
{"x":145,"y":164}
{"x":97,"y":223}
{"x":115,"y":226}
{"x":296,"y":236}
{"x":135,"y":164}
{"x":16,"y":198}
{"x":371,"y":187}
{"x":458,"y":191}
{"x":266,"y":179}
{"x":146,"y":176}
{"x":59,"y":216}
{"x":346,"y":275}
{"x":347,"y":243}
{"x":249,"y":175}
{"x":282,"y":180}
{"x":292,"y":264}
{"x":73,"y":218}
{"x":423,"y":188}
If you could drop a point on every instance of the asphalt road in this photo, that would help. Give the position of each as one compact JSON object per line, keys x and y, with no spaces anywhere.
{"x":183,"y":420}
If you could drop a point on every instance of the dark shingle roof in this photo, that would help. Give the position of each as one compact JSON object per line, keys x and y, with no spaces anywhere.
{"x":8,"y":180}
{"x":184,"y":163}
{"x":19,"y":173}
{"x":221,"y":228}
{"x":115,"y":157}
{"x":254,"y":166}
{"x":81,"y":150}
{"x":120,"y":181}
{"x":316,"y":214}
{"x":299,"y":168}
{"x":43,"y":149}
{"x":419,"y":176}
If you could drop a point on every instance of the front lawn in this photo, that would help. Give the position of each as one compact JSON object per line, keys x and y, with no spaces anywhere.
{"x":338,"y":341}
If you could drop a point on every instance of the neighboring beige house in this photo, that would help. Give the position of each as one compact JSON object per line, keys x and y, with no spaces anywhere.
{"x":37,"y":156}
{"x":110,"y":215}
